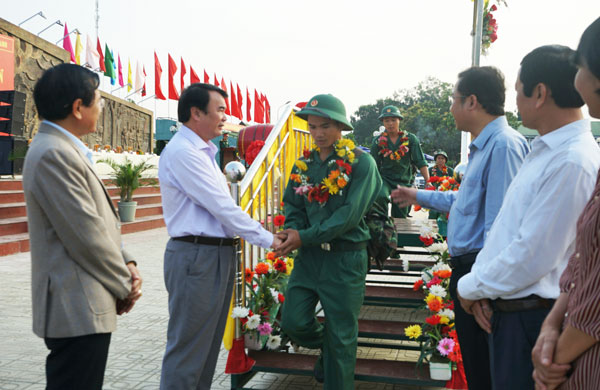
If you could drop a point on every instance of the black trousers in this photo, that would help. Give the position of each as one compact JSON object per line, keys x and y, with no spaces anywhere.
{"x":513,"y":337}
{"x":76,"y":362}
{"x":472,"y":339}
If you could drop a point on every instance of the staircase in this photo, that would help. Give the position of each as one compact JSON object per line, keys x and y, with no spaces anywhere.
{"x":14,"y":236}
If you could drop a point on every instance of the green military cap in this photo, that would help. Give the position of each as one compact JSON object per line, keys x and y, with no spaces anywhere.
{"x":390,"y":111}
{"x":326,"y":106}
{"x":440,"y":153}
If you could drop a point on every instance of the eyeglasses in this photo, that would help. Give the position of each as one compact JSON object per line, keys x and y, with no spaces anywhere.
{"x":452,"y":98}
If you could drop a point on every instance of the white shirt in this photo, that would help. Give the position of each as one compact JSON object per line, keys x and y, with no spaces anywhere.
{"x":533,"y":236}
{"x":80,"y":145}
{"x":195,"y":196}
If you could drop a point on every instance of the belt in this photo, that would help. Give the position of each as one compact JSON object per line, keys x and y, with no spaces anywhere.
{"x":343,"y":246}
{"x":532,"y":302}
{"x":465,"y":260}
{"x":204,"y":240}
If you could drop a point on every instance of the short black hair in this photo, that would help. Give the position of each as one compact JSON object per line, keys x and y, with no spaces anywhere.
{"x":195,"y":95}
{"x":487,"y":83}
{"x":588,"y":50}
{"x":59,"y":86}
{"x":552,"y":66}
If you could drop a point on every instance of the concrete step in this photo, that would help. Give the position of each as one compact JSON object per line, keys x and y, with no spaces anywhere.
{"x":15,"y":225}
{"x":11,"y":210}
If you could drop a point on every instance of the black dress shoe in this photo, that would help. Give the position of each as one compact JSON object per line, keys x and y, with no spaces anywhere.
{"x":319,"y":371}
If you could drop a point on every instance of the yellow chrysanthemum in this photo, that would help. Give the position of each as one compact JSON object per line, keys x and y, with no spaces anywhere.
{"x":431,"y":297}
{"x":331,"y":187}
{"x":351,"y":157}
{"x":444,"y":320}
{"x":289,"y":263}
{"x":346,"y":143}
{"x":301,"y":165}
{"x":341,"y":152}
{"x":413,"y":331}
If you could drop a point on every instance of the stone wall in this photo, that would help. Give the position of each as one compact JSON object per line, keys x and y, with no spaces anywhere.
{"x":122,"y":123}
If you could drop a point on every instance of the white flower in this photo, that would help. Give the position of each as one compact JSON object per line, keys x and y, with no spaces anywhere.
{"x":405,"y":265}
{"x":437,"y":247}
{"x":274,"y":294}
{"x":426,"y":231}
{"x":273,"y":342}
{"x":240,"y":312}
{"x":440,"y":265}
{"x":447,"y":312}
{"x":253,"y":322}
{"x":425,"y":276}
{"x":438,"y":290}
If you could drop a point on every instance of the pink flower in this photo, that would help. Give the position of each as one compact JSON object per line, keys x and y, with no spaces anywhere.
{"x":301,"y":190}
{"x":445,"y":346}
{"x":265,"y":329}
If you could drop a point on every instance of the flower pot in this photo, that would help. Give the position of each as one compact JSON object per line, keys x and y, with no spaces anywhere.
{"x":253,"y":341}
{"x":440,"y":371}
{"x":127,"y":211}
{"x":442,"y":226}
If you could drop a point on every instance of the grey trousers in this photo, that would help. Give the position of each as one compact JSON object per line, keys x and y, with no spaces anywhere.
{"x":199,"y":280}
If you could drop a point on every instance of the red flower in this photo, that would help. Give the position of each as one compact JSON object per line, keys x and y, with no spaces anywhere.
{"x":271,"y":256}
{"x":434,"y":281}
{"x":245,"y":319}
{"x":280,"y":266}
{"x":494,"y":8}
{"x":442,"y":273}
{"x":433,"y":320}
{"x":280,"y":297}
{"x":417,"y":207}
{"x":279,"y":220}
{"x":253,"y":151}
{"x":433,"y":179}
{"x":320,"y":194}
{"x":449,"y":305}
{"x":249,"y":275}
{"x":261,"y":269}
{"x":452,"y":334}
{"x":428,"y":241}
{"x":446,"y":329}
{"x":306,"y":153}
{"x":418,"y":284}
{"x":434,"y":305}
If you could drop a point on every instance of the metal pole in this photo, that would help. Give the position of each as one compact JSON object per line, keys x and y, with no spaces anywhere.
{"x":31,"y":17}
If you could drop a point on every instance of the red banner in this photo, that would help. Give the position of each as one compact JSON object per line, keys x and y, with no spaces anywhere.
{"x":7,"y":63}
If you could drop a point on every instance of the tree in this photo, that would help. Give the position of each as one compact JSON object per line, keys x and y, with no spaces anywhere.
{"x":426,"y":111}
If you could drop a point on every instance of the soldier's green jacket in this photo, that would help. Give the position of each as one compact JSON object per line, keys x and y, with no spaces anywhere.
{"x":341,"y":216}
{"x":401,"y":171}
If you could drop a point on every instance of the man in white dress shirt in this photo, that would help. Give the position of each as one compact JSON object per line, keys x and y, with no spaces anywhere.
{"x":533,"y":235}
{"x":202,"y":220}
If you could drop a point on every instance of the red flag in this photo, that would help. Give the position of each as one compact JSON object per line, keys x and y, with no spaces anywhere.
{"x":99,"y":48}
{"x":206,"y":78}
{"x":157,"y":73}
{"x":183,"y":72}
{"x":144,"y":87}
{"x":216,"y":81}
{"x":248,"y":106}
{"x":193,"y":76}
{"x":173,"y":95}
{"x":240,"y":101}
{"x":267,"y":110}
{"x":259,"y":111}
{"x":224,"y":88}
{"x":121,"y":82}
{"x":234,"y":104}
{"x":67,"y":43}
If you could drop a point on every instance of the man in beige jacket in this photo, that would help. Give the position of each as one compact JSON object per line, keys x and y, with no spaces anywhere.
{"x":81,"y":276}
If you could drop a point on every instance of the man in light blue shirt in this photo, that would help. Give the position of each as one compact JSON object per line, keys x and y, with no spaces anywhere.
{"x":496,"y":154}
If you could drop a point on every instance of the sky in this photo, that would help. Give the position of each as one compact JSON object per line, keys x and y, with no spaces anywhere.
{"x":359,"y":51}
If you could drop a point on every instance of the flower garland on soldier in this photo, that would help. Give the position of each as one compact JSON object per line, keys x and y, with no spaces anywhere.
{"x":337,"y":179}
{"x":385,"y":151}
{"x":435,"y":169}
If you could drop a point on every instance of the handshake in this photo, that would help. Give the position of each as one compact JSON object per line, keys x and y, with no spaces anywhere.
{"x":286,"y":241}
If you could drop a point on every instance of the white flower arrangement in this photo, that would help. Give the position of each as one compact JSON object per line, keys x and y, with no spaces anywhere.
{"x":273,"y":342}
{"x":448,"y":313}
{"x":253,"y":322}
{"x":438,"y":291}
{"x":240,"y":312}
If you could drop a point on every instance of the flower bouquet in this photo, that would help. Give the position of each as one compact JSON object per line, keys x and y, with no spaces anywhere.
{"x":437,"y":337}
{"x":265,"y":292}
{"x":442,"y":183}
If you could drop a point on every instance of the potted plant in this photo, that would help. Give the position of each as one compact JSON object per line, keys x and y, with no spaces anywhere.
{"x":436,"y":335}
{"x":126,"y":176}
{"x":265,"y":289}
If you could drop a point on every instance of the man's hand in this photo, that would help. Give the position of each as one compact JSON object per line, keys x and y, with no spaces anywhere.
{"x":482,"y":311}
{"x":466,"y":303}
{"x":291,"y":242}
{"x":125,"y":305}
{"x":277,"y":241}
{"x":547,"y":374}
{"x":404,"y":196}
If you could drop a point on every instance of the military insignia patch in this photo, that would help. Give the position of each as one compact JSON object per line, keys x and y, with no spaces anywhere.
{"x":314,"y":103}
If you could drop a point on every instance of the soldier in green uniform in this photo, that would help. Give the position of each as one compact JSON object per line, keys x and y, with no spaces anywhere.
{"x":329,"y":191}
{"x":397,"y":154}
{"x":440,"y":170}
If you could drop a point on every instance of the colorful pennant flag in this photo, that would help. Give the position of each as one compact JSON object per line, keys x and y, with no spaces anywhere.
{"x":144,"y":86}
{"x":67,"y":43}
{"x":91,"y":54}
{"x":206,"y":78}
{"x":193,"y":76}
{"x":140,"y":78}
{"x":78,"y":50}
{"x":121,"y":82}
{"x":240,"y":101}
{"x":108,"y":63}
{"x":101,"y":56}
{"x":248,"y":106}
{"x":183,"y":72}
{"x":157,"y":74}
{"x":234,"y":104}
{"x":173,"y":95}
{"x":259,"y":111}
{"x":224,"y":88}
{"x":129,"y":78}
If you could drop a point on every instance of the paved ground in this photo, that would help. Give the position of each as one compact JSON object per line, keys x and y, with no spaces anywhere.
{"x":138,"y":345}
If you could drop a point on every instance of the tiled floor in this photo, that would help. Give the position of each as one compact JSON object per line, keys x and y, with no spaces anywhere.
{"x":138,"y":344}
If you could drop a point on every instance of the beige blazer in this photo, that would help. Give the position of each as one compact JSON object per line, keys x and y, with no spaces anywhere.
{"x":77,"y":264}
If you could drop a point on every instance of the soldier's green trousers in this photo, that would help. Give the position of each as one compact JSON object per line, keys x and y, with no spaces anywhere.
{"x":337,"y":279}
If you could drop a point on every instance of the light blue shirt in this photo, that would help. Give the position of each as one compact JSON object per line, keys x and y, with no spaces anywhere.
{"x":494,"y":159}
{"x":84,"y":149}
{"x":533,"y":235}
